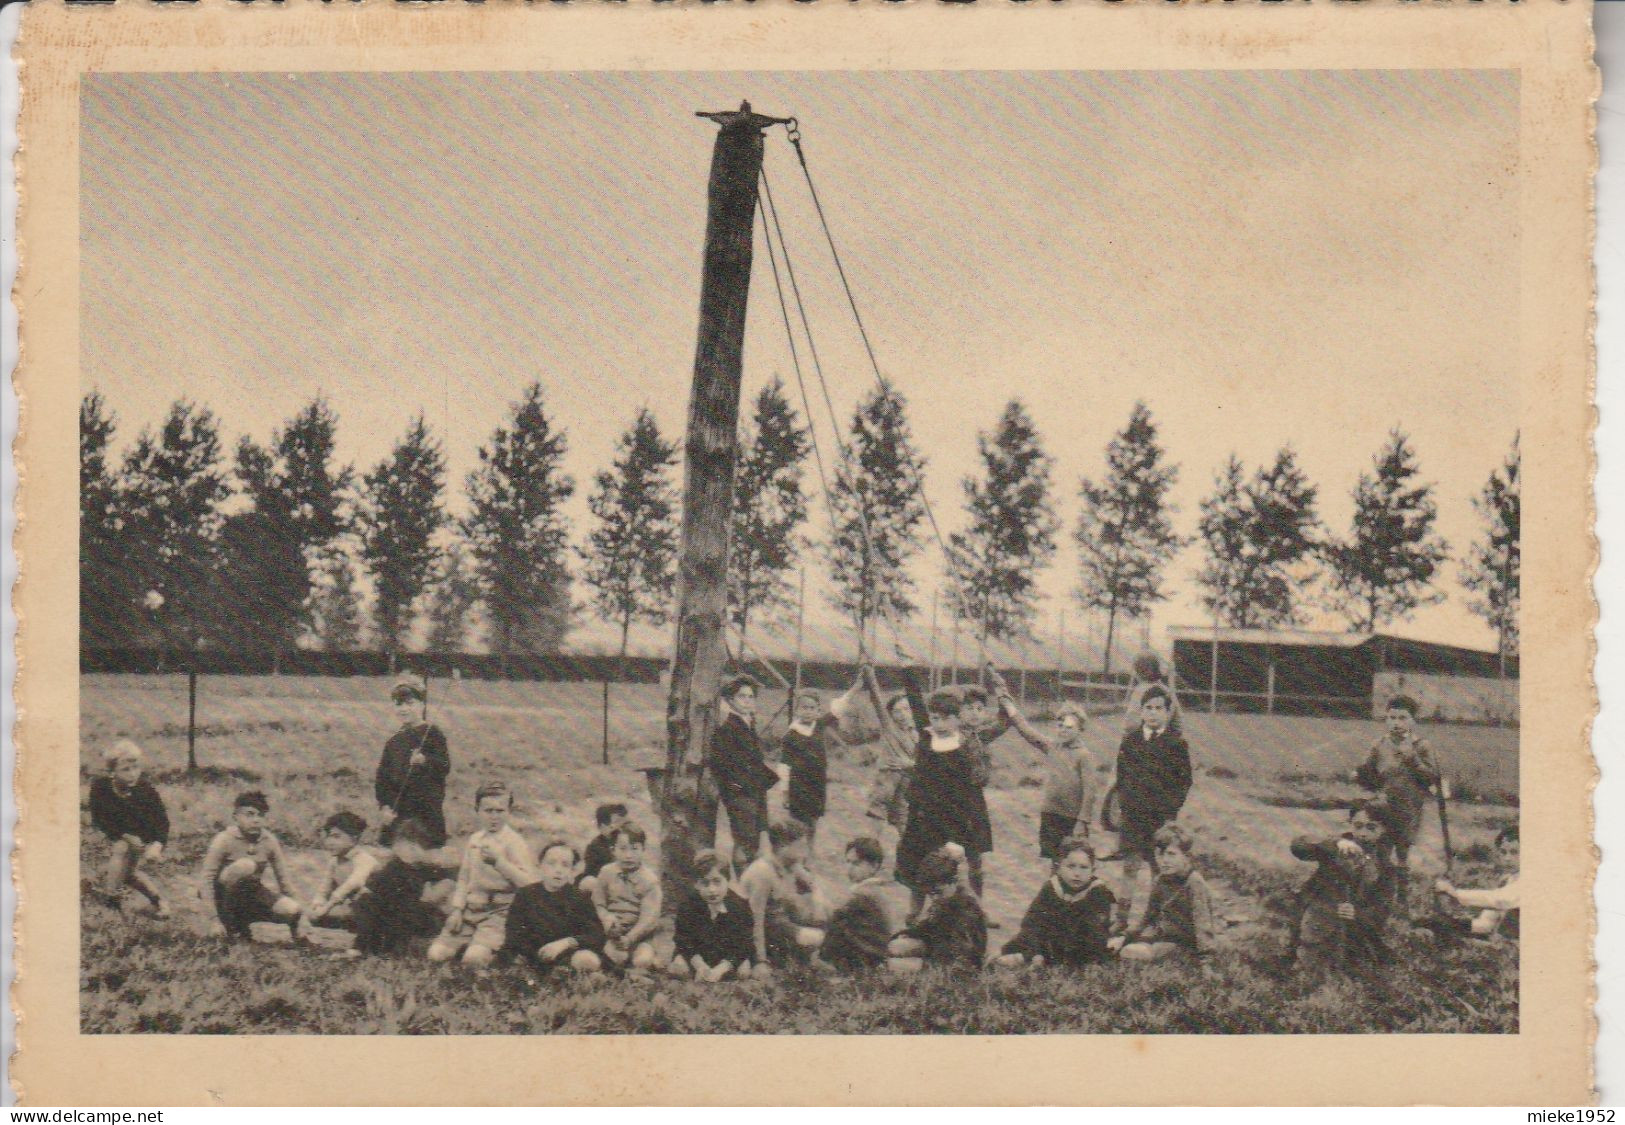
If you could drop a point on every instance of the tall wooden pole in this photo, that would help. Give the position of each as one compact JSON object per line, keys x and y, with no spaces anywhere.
{"x":801,"y":616}
{"x":688,"y":802}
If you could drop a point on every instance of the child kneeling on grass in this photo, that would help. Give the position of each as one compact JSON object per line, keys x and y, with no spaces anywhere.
{"x":1347,"y":901}
{"x":789,"y":918}
{"x":715,"y":936}
{"x":1179,"y":916}
{"x":552,"y":923}
{"x":627,"y":898}
{"x":496,"y":863}
{"x":348,"y":870}
{"x":234,"y":869}
{"x":949,"y":929}
{"x":391,"y":907}
{"x":1070,"y":922}
{"x":126,"y":808}
{"x":862,"y":927}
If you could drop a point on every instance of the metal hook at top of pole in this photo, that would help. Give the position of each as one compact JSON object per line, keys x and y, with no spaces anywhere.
{"x":744,"y":118}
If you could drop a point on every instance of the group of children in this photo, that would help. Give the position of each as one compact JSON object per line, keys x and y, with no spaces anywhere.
{"x":760,"y":908}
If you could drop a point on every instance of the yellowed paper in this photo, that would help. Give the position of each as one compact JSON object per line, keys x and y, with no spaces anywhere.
{"x":1277,"y":227}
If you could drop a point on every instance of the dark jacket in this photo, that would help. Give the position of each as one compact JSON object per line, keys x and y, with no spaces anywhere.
{"x":1153,"y":777}
{"x":139,"y":813}
{"x":807,"y":755}
{"x":390,"y":908}
{"x":1067,"y":931}
{"x":945,"y":799}
{"x":862,"y":926}
{"x":735,"y":760}
{"x":600,"y":853}
{"x":730,"y":936}
{"x":415,"y":792}
{"x":540,"y":917}
{"x":953,"y":930}
{"x":1179,"y":911}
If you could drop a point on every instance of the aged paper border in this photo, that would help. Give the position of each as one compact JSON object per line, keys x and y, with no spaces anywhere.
{"x":1548,"y":41}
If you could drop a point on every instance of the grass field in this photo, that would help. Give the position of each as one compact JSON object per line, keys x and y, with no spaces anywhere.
{"x":312,"y":744}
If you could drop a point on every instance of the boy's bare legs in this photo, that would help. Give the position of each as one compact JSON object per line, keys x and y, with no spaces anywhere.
{"x":1133,"y":900}
{"x":904,"y":955}
{"x":120,"y":865}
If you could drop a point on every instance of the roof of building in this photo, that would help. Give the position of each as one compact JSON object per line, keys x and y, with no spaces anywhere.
{"x":1269,"y":636}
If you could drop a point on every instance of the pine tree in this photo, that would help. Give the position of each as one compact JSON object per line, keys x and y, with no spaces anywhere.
{"x":1382,"y":572}
{"x":1261,"y":539}
{"x":877,"y":514}
{"x":517,"y":532}
{"x":630,"y":559}
{"x":769,"y":509}
{"x":1011,"y":534}
{"x":339,"y":619}
{"x":1125,"y":537}
{"x":107,"y":599}
{"x":451,"y":602}
{"x":300,"y":507}
{"x":1492,"y":567}
{"x":400,"y":513}
{"x":175,"y":486}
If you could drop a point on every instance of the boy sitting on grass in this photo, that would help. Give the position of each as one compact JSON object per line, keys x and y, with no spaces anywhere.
{"x":1498,"y":907}
{"x":600,"y":852}
{"x":126,"y":808}
{"x":552,"y":923}
{"x":862,"y":927}
{"x":1179,"y":916}
{"x":1347,"y":901}
{"x":234,"y":869}
{"x":391,"y":907}
{"x":715,"y":931}
{"x":348,"y":870}
{"x":496,"y":863}
{"x":950,"y":928}
{"x":627,"y":898}
{"x":788,"y":917}
{"x":1070,"y":922}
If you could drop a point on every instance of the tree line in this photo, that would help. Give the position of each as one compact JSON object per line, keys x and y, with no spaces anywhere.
{"x":280,"y":545}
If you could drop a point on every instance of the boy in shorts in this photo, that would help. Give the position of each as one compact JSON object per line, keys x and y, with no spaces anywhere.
{"x":496,"y":864}
{"x":234,"y":870}
{"x":627,"y":898}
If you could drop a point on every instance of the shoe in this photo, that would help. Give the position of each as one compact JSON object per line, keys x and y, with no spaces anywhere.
{"x":162,"y":910}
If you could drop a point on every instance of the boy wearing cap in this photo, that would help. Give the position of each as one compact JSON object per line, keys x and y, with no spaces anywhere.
{"x":234,"y":870}
{"x":411,"y":779}
{"x":126,"y":809}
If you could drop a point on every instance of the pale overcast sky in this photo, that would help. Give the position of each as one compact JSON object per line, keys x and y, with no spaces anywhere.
{"x":1263,"y":257}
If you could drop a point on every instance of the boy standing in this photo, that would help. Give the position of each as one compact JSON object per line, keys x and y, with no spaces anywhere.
{"x":1153,"y":780}
{"x":734,"y":757}
{"x":411,"y":779}
{"x":1347,"y":901}
{"x":1069,"y":782}
{"x":234,"y":869}
{"x":126,"y":808}
{"x":805,"y":749}
{"x":627,"y":898}
{"x":600,"y":851}
{"x":1401,"y":770}
{"x":495,"y":865}
{"x":347,"y":871}
{"x":715,"y":929}
{"x":894,"y":769}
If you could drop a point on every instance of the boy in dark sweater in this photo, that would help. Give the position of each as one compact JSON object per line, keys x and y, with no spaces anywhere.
{"x":715,"y":936}
{"x":1348,"y":900}
{"x":805,"y":747}
{"x":390,"y":908}
{"x":600,"y":851}
{"x":1179,"y":917}
{"x":950,"y":929}
{"x":126,"y":809}
{"x":1070,"y":922}
{"x":1153,"y":780}
{"x":552,"y":923}
{"x":862,"y":927}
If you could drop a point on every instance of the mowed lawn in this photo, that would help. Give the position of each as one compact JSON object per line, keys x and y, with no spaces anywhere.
{"x":312,"y":744}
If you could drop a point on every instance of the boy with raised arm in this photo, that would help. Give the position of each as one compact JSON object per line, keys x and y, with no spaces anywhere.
{"x":1069,"y":778}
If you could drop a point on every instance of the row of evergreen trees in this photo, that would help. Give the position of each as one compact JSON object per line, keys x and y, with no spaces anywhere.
{"x":179,"y":548}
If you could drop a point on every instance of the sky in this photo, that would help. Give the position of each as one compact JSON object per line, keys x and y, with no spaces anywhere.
{"x":1263,"y":257}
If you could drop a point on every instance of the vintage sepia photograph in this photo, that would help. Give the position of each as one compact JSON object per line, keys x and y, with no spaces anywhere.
{"x":926,"y":636}
{"x":980,"y":563}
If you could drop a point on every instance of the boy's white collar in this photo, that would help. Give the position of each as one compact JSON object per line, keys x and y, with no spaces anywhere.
{"x":946,"y":742}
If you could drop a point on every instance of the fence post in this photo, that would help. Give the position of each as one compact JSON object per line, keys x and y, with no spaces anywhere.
{"x":191,"y":720}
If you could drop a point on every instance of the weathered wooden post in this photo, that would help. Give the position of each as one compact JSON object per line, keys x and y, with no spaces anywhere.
{"x":688,"y":803}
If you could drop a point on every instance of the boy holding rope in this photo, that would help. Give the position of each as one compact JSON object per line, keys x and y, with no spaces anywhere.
{"x":411,"y":779}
